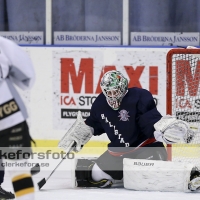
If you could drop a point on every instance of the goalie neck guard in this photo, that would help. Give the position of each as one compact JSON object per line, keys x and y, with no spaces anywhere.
{"x":114,"y":86}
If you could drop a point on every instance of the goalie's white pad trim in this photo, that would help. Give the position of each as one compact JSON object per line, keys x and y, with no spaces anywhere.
{"x":152,"y":175}
{"x":79,"y":132}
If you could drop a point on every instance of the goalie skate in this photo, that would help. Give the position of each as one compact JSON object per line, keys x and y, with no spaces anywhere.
{"x":194,"y":183}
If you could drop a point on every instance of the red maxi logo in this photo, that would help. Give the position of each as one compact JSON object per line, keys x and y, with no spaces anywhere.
{"x":86,"y":71}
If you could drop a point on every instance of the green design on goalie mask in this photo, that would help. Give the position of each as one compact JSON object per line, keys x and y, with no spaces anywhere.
{"x":114,"y":86}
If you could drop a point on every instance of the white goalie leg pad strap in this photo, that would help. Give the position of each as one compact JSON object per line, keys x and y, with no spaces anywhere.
{"x":152,"y":175}
{"x":79,"y":132}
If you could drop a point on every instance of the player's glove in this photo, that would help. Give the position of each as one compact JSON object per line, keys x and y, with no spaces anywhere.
{"x":79,"y":133}
{"x":171,"y":130}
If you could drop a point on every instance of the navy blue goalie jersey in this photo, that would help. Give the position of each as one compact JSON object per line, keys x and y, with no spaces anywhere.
{"x":129,"y":126}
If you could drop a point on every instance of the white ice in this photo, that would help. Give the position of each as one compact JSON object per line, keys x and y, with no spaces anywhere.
{"x":59,"y":187}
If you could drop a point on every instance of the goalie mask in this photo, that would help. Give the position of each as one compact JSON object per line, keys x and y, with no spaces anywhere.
{"x":114,"y":86}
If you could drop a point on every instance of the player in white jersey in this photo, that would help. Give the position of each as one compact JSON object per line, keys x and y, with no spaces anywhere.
{"x":16,"y":69}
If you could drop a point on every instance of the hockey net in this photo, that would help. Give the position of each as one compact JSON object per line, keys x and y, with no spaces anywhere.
{"x":183,"y":99}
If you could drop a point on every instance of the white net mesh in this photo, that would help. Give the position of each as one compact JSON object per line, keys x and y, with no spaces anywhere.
{"x":185,"y":100}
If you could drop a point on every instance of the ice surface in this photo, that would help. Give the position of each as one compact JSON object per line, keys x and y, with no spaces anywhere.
{"x":58,"y":187}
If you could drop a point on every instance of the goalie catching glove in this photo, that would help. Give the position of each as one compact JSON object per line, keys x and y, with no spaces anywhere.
{"x":171,"y":130}
{"x":79,"y":132}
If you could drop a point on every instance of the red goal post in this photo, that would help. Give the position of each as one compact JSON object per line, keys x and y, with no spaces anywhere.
{"x":183,"y":99}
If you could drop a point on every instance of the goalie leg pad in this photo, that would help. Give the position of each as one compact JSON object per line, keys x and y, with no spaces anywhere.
{"x":83,"y":175}
{"x":154,"y":175}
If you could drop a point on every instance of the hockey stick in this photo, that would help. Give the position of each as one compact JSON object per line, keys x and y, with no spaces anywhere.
{"x":35,"y":169}
{"x":44,"y":180}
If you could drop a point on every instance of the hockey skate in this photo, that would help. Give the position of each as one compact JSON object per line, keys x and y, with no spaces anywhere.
{"x":194,"y":183}
{"x":84,"y":175}
{"x":5,"y":195}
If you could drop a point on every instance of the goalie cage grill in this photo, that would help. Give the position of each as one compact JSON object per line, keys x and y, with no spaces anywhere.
{"x":183,"y":99}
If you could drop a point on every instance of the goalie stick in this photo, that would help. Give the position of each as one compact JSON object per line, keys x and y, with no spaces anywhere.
{"x":42,"y":182}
